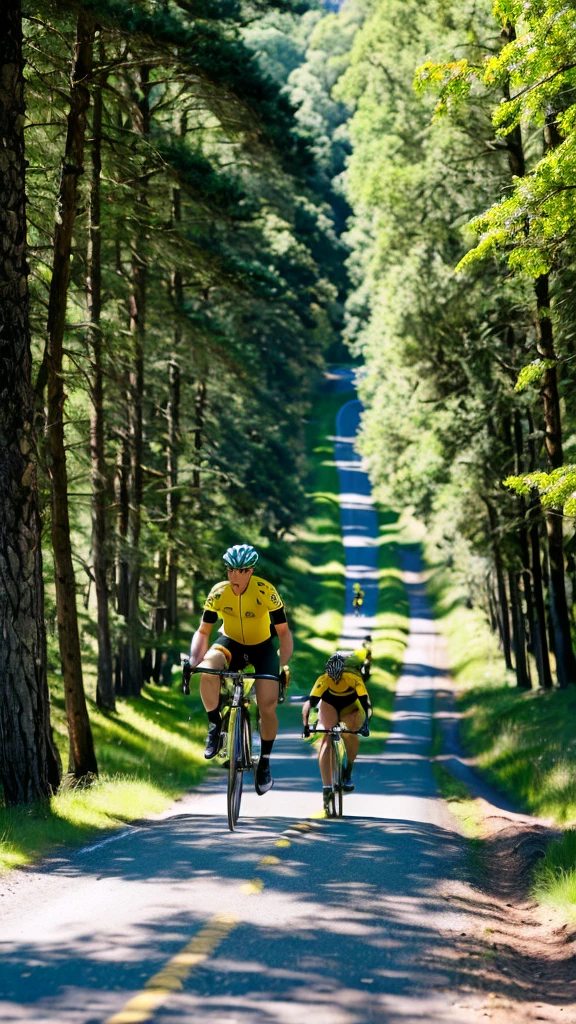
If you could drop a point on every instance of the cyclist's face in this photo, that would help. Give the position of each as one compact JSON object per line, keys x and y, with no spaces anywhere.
{"x":239,"y":579}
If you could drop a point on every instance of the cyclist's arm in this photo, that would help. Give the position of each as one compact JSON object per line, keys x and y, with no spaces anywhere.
{"x":312,"y":702}
{"x":314,"y":698}
{"x":286,"y":642}
{"x":201,"y":641}
{"x":366,"y":705}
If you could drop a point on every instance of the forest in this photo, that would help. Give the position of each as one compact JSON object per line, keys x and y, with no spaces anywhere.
{"x":202,"y":204}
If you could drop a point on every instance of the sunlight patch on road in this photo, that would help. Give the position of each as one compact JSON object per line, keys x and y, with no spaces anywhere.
{"x":253,"y":887}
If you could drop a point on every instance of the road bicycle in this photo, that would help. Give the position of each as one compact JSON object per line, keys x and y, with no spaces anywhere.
{"x":335,"y":807}
{"x":236,"y":697}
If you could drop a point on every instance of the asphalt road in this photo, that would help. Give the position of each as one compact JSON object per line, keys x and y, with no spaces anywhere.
{"x":345,"y":922}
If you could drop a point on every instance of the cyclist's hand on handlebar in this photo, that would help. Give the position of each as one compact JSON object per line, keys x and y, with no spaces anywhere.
{"x":306,"y":730}
{"x":285,"y":677}
{"x":364,"y":731}
{"x":186,"y":673}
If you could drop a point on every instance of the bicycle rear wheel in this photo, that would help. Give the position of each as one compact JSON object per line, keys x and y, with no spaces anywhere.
{"x":337,"y":777}
{"x":235,"y":772}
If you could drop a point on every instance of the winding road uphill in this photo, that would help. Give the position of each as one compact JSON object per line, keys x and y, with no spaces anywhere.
{"x":364,"y":919}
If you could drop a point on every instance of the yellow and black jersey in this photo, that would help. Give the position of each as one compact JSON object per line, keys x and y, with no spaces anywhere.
{"x":349,"y":685}
{"x":245,"y":617}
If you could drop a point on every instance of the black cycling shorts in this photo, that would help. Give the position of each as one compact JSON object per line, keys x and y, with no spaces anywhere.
{"x":346,"y":702}
{"x":263,"y":657}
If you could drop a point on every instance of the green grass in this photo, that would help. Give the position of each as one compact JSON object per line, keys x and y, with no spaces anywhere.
{"x":524,"y":742}
{"x":555,"y":877}
{"x":151,"y":750}
{"x":462,"y":805}
{"x":148,"y":753}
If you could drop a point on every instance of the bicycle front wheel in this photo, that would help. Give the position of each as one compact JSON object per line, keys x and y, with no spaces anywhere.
{"x":235,"y":773}
{"x":337,"y":788}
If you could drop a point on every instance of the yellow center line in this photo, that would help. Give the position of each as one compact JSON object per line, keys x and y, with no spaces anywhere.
{"x":172,"y":976}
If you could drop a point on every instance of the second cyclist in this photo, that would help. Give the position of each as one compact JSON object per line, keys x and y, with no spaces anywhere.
{"x":342,"y":696}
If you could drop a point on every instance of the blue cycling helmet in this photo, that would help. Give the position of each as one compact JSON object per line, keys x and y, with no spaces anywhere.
{"x":334,"y":667}
{"x":240,"y":556}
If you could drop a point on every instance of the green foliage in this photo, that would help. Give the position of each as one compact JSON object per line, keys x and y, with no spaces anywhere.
{"x":531,"y":81}
{"x":533,"y":372}
{"x":557,"y":489}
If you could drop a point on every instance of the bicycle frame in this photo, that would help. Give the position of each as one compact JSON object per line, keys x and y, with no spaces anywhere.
{"x":237,"y":736}
{"x":335,"y":734}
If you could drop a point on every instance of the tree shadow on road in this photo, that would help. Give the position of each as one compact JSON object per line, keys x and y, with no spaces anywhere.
{"x":358,"y":920}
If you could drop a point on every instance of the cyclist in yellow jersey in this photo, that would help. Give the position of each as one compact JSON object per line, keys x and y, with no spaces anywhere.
{"x":358,"y":598}
{"x":248,"y":607}
{"x":342,"y":696}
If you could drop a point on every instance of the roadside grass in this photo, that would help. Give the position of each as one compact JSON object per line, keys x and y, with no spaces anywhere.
{"x":148,"y":754}
{"x":524,"y":742}
{"x":150,"y":750}
{"x":555,"y":877}
{"x":460,"y":801}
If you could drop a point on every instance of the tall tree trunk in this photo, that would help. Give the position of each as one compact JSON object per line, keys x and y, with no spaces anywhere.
{"x":565,"y":660}
{"x":519,"y":633}
{"x":532,"y":571}
{"x":173,"y":497}
{"x":82,"y":756}
{"x":500,"y":585}
{"x":29,"y":761}
{"x":132,"y":664}
{"x":105,"y":682}
{"x":173,"y":423}
{"x":199,"y":411}
{"x":159,"y":622}
{"x":492,"y":614}
{"x":122,"y":506}
{"x":540,"y":634}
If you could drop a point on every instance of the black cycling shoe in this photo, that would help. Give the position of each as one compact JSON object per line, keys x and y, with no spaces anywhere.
{"x":213,"y":740}
{"x":263,"y":777}
{"x":327,"y":795}
{"x":347,"y":784}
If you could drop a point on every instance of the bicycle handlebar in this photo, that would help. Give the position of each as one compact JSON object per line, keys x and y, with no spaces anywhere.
{"x":232,"y":675}
{"x":188,"y":670}
{"x":336,"y":730}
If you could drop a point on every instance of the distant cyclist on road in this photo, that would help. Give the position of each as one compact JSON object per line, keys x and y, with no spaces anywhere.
{"x":366,"y":656}
{"x":358,"y":599}
{"x":248,"y":606}
{"x":342,"y":696}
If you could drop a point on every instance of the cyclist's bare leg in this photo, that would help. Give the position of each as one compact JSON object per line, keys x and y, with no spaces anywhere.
{"x":267,"y":698}
{"x":327,"y":719}
{"x":210,"y":685}
{"x":353,"y":720}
